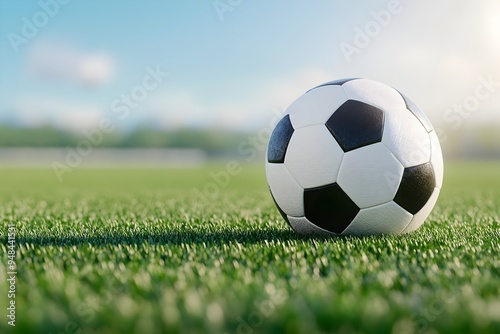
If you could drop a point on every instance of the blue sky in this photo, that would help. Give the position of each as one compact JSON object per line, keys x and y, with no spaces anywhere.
{"x":233,"y":72}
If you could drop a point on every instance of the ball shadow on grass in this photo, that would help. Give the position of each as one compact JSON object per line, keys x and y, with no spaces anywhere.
{"x":183,"y":236}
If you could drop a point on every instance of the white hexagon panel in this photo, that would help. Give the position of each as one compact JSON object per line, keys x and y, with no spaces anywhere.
{"x":313,"y":156}
{"x":323,"y":100}
{"x":388,"y":218}
{"x":370,"y":175}
{"x":406,"y":137}
{"x":287,"y":193}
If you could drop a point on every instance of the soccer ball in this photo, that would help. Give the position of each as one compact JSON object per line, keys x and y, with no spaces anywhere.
{"x":354,"y":157}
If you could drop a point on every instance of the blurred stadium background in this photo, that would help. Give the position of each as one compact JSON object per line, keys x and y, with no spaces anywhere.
{"x":232,"y":66}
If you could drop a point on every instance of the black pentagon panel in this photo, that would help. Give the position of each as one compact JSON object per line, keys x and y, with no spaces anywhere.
{"x":419,"y":114}
{"x":356,"y":124}
{"x":417,"y":186}
{"x":279,"y":140}
{"x":339,"y":82}
{"x":282,"y":213}
{"x":329,"y":207}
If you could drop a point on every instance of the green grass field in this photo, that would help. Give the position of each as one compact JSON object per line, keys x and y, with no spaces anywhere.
{"x":134,"y":251}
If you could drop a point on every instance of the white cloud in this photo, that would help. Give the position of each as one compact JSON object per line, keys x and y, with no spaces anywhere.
{"x":174,"y":108}
{"x":490,"y":24}
{"x":37,"y":111}
{"x":178,"y":108}
{"x":50,"y":61}
{"x":284,"y":91}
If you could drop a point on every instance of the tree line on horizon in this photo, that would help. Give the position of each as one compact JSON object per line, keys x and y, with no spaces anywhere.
{"x":47,"y":136}
{"x":483,"y":142}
